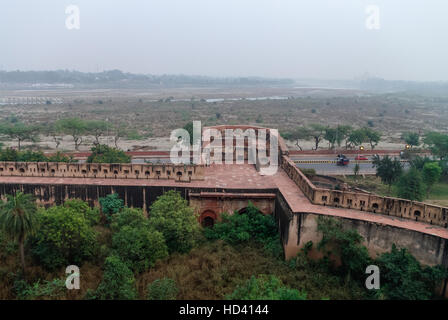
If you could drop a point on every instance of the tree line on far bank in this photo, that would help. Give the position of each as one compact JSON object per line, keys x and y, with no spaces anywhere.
{"x":349,"y":137}
{"x":76,"y":128}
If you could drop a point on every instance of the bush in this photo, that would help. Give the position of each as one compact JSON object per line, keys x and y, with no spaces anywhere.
{"x":7,"y":246}
{"x":251,"y":225}
{"x":105,"y":154}
{"x":47,"y":289}
{"x":411,"y":185}
{"x":65,"y":237}
{"x":110,"y":205}
{"x":128,"y":217}
{"x":346,"y":244}
{"x":92,"y":215}
{"x":118,"y":281}
{"x":403,"y":278}
{"x":162,"y":289}
{"x":265,"y":288}
{"x":139,"y":247}
{"x":171,"y":215}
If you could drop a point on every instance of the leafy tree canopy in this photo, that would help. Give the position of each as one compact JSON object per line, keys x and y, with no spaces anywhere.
{"x":104,"y":154}
{"x":171,"y":215}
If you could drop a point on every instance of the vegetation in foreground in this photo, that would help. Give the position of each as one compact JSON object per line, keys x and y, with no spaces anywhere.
{"x":125,"y":255}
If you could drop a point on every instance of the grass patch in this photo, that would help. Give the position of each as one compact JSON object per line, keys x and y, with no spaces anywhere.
{"x":215,"y":269}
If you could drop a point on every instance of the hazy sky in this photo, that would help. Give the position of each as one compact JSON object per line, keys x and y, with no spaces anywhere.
{"x":274,"y":38}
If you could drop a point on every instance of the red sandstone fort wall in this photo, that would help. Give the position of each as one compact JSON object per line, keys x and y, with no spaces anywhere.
{"x":414,"y":210}
{"x":183,"y":173}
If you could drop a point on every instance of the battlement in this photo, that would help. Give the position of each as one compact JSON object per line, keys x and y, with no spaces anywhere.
{"x":407,"y":209}
{"x":177,"y":172}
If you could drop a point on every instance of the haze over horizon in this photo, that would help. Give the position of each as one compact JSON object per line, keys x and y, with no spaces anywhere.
{"x":320,"y":39}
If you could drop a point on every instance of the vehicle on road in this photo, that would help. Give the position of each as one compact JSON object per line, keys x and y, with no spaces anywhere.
{"x":342,"y":160}
{"x":361,"y":158}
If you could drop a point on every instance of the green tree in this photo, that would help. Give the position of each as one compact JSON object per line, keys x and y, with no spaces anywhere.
{"x":189,"y":128}
{"x":20,"y":132}
{"x":18,"y":219}
{"x":171,"y":215}
{"x":356,"y":169}
{"x":411,"y":185}
{"x":331,"y":135}
{"x":111,"y":205}
{"x":372,"y":137}
{"x":437,"y":143}
{"x":118,"y":281}
{"x":162,"y":289}
{"x":60,"y":157}
{"x":317,"y":132}
{"x":403,"y":278}
{"x":104,"y":154}
{"x":431,"y":174}
{"x":356,"y":138}
{"x":419,"y":162}
{"x":300,"y":133}
{"x":387,"y":169}
{"x":344,"y":132}
{"x":65,"y":237}
{"x":346,"y":244}
{"x":9,"y":154}
{"x":120,"y":130}
{"x":55,"y":131}
{"x":139,"y":247}
{"x":132,"y":217}
{"x":74,"y":127}
{"x":97,"y":128}
{"x":411,"y":138}
{"x":265,"y":288}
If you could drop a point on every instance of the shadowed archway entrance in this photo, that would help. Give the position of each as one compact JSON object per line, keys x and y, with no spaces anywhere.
{"x":208,"y":218}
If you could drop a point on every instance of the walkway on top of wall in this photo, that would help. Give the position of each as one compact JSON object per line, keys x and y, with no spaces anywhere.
{"x":246,"y":177}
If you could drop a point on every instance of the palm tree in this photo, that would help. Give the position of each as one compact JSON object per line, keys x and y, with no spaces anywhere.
{"x":18,"y":219}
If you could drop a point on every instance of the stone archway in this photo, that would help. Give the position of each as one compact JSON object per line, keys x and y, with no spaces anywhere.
{"x":208,"y":218}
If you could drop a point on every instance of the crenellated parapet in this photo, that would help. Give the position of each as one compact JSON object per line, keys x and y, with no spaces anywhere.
{"x":177,"y":172}
{"x":402,"y":208}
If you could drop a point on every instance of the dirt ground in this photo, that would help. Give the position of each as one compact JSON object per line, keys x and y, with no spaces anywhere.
{"x":154,"y":113}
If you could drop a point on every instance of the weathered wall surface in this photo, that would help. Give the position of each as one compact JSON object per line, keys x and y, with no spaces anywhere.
{"x":414,"y":210}
{"x":428,"y":249}
{"x":184,"y":173}
{"x":212,"y":204}
{"x":144,"y":196}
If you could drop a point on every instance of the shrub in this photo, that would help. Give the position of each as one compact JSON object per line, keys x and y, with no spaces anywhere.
{"x":105,"y":154}
{"x":265,"y":288}
{"x":7,"y":246}
{"x":171,"y":215}
{"x":240,"y":228}
{"x":92,"y":215}
{"x":128,"y":217}
{"x":139,"y":247}
{"x":403,"y":278}
{"x":162,"y":289}
{"x":47,"y":289}
{"x":118,"y":281}
{"x":110,"y":205}
{"x":65,"y":237}
{"x":411,"y":185}
{"x":346,"y":244}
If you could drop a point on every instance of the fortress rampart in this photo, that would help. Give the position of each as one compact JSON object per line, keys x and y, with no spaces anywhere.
{"x":182,"y":173}
{"x":407,"y":209}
